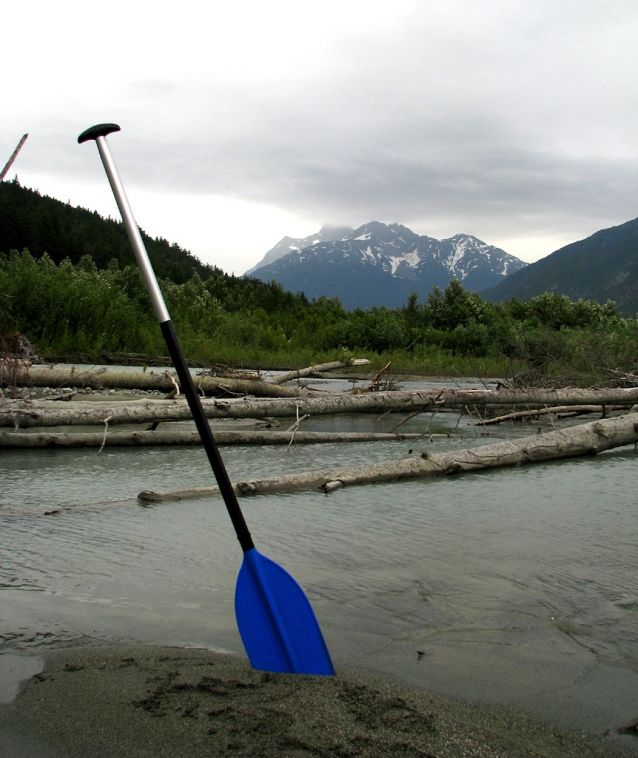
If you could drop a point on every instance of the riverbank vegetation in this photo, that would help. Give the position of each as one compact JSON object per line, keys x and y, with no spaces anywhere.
{"x":78,"y":309}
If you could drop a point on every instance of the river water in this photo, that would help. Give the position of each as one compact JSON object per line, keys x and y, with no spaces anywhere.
{"x":516,"y":586}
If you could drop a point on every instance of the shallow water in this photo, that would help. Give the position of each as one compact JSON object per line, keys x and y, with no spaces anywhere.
{"x":516,"y":586}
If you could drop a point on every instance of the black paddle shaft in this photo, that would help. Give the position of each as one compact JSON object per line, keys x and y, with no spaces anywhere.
{"x":98,"y":133}
{"x":208,"y":441}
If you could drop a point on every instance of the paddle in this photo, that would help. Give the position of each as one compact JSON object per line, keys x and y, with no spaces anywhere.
{"x":277,"y":624}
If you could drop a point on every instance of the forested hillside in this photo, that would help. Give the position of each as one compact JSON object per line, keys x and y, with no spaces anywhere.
{"x":45,"y":225}
{"x":601,"y":267}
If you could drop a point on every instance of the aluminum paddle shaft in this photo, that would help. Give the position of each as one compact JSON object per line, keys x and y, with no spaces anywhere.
{"x":98,"y":133}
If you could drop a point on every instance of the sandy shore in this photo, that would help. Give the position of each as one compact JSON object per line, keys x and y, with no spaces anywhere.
{"x":100,"y":701}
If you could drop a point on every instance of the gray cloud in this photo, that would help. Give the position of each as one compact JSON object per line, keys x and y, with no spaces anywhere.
{"x":468,"y":165}
{"x":501,"y":119}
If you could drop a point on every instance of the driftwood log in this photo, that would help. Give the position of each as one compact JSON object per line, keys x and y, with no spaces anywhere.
{"x":586,"y":439}
{"x":27,"y":414}
{"x":318,"y":368}
{"x":559,"y":411}
{"x":143,"y":438}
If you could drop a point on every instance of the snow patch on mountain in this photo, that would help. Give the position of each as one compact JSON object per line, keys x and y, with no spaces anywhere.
{"x":410,"y":260}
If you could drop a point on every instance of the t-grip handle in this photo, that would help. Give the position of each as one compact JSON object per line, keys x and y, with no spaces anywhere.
{"x":99,"y":130}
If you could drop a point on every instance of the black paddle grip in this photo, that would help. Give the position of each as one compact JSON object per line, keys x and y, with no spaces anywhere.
{"x":100,"y":130}
{"x":208,"y":441}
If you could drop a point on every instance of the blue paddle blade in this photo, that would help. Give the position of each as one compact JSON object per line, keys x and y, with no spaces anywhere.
{"x":277,"y":624}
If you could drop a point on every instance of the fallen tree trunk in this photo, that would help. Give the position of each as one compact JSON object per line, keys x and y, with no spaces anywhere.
{"x":586,"y":439}
{"x":558,"y":410}
{"x":143,"y":438}
{"x":104,"y":378}
{"x":25,"y":414}
{"x":317,"y":369}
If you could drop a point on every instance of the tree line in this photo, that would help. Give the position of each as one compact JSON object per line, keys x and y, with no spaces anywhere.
{"x":77,"y":307}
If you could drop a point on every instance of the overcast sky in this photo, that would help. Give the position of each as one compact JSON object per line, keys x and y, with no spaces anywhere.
{"x":249,"y":120}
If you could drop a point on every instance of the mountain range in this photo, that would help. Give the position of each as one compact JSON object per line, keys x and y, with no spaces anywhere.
{"x":381,"y":264}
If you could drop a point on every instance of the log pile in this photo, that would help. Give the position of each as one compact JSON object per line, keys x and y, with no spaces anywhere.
{"x":161,"y":381}
{"x":31,"y":423}
{"x":165,"y":381}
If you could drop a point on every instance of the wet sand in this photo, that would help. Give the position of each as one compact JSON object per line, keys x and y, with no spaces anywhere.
{"x":142,"y":701}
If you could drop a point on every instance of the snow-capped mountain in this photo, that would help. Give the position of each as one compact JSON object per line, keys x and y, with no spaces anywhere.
{"x":289,"y":244}
{"x":381,"y":264}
